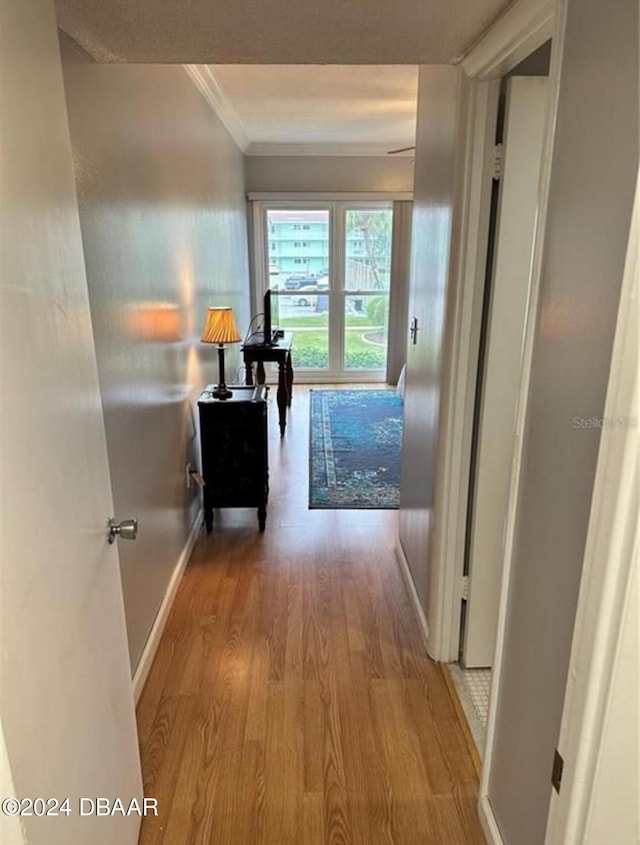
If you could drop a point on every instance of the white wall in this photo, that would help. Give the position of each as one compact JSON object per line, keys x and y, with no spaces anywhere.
{"x":593,"y":170}
{"x":433,"y":260}
{"x":614,"y":809}
{"x":329,"y":173}
{"x":161,"y":194}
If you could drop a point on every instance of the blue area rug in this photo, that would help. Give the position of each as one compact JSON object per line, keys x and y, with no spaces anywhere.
{"x":355,"y":449}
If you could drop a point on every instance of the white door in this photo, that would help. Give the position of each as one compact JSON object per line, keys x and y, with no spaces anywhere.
{"x":66,"y":701}
{"x":525,"y":115}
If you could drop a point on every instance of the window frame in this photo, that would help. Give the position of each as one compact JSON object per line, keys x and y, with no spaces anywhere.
{"x":337,"y":208}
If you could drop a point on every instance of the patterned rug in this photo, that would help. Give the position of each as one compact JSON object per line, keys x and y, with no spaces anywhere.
{"x":355,"y":449}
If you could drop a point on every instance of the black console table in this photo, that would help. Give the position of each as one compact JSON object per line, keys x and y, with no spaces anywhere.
{"x":235,"y":462}
{"x":256,"y":351}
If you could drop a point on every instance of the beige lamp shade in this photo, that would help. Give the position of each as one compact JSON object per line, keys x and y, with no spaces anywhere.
{"x":220,"y":327}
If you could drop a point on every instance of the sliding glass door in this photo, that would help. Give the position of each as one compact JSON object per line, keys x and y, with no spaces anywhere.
{"x":328,"y":267}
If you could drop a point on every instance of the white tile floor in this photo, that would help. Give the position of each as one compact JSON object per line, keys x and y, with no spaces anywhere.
{"x":478,"y":682}
{"x":473,"y":687}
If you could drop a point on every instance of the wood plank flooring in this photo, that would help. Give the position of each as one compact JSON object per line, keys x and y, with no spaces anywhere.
{"x":291,"y":701}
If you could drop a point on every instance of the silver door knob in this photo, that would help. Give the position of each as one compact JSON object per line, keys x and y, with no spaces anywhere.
{"x":127,"y":529}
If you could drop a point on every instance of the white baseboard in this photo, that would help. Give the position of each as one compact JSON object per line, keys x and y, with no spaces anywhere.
{"x":153,"y":641}
{"x":488,"y":822}
{"x":413,"y":593}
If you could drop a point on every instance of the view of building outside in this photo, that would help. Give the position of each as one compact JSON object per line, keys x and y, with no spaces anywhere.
{"x":299,"y":262}
{"x":299,"y":241}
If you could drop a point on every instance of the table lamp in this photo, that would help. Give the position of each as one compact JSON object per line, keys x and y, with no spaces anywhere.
{"x":220,"y":328}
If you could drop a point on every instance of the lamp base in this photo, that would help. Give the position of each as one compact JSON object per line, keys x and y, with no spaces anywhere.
{"x":222,"y":392}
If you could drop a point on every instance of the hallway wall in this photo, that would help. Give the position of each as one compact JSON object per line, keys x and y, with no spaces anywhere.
{"x":593,"y":172}
{"x":161,"y":195}
{"x":329,"y":173}
{"x":436,"y":207}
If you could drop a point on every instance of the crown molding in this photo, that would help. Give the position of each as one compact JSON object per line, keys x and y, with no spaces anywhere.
{"x":205,"y":81}
{"x":524,"y":27}
{"x":322,"y":149}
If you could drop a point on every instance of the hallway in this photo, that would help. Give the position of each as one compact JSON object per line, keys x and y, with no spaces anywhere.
{"x":291,"y":700}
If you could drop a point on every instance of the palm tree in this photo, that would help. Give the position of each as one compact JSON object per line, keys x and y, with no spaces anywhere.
{"x":375,"y":228}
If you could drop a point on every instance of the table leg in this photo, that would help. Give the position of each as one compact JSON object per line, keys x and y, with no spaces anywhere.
{"x":282,"y":397}
{"x":289,"y":371}
{"x":262,"y":517}
{"x":208,"y":519}
{"x":260,"y":374}
{"x":248,"y":366}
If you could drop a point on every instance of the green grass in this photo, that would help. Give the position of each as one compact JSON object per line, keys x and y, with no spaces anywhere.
{"x":310,"y":352}
{"x":303,"y":322}
{"x":363,"y":356}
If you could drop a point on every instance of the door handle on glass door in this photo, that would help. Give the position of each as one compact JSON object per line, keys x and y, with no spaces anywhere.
{"x":127,"y":529}
{"x":413,"y":330}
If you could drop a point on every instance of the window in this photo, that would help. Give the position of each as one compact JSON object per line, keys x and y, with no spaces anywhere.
{"x":332,"y":290}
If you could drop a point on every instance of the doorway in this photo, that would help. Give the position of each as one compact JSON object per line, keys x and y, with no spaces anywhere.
{"x":520,"y":127}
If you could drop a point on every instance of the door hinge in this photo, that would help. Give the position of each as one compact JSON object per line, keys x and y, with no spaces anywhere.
{"x":464,"y":587}
{"x":497,"y":162}
{"x":556,"y":773}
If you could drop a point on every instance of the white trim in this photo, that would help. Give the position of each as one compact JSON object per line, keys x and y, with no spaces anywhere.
{"x":327,"y":196}
{"x":403,"y":563}
{"x":399,"y":293}
{"x":205,"y":81}
{"x":524,"y":27}
{"x":336,"y":205}
{"x":153,"y":641}
{"x":527,"y":355}
{"x":318,"y":149}
{"x":457,"y":419}
{"x":613,"y":543}
{"x":488,"y":822}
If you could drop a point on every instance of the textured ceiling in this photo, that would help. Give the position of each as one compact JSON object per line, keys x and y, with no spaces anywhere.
{"x":277,"y":31}
{"x":373,"y":108}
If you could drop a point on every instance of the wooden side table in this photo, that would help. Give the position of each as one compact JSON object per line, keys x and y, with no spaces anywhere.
{"x":234,"y":444}
{"x":255,"y":351}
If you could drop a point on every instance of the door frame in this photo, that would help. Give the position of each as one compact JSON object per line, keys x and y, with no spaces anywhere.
{"x":522,"y":29}
{"x":498,"y":376}
{"x":611,"y":553}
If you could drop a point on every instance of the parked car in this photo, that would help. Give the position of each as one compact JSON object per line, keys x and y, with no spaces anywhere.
{"x":305,"y":296}
{"x":298,"y":281}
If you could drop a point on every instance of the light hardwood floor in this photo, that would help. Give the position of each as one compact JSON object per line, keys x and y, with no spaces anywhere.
{"x":291,"y":701}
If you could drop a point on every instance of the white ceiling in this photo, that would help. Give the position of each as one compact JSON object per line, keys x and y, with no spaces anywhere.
{"x":292,"y":76}
{"x":317,"y":109}
{"x":277,"y":31}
